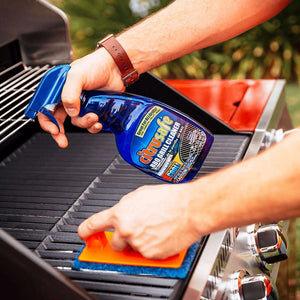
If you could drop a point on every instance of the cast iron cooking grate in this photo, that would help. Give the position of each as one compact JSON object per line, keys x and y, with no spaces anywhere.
{"x":45,"y":192}
{"x":16,"y":91}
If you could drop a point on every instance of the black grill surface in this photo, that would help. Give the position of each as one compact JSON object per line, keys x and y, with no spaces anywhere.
{"x":46,"y":192}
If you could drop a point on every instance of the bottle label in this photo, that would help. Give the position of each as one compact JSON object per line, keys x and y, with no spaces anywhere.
{"x":166,"y":144}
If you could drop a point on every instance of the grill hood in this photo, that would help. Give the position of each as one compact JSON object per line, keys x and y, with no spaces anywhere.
{"x":41,"y":28}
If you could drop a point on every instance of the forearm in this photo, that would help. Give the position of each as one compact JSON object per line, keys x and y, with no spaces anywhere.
{"x":264,"y":188}
{"x":188,"y":25}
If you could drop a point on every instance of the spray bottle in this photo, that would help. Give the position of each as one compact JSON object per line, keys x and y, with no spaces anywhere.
{"x":150,"y":135}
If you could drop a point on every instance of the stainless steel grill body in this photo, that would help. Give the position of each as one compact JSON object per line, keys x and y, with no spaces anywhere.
{"x":46,"y":192}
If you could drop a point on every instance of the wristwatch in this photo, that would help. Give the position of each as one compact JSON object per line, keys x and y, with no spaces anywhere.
{"x":129,"y":74}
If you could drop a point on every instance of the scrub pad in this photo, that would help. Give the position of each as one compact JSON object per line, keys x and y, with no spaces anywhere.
{"x":97,"y":254}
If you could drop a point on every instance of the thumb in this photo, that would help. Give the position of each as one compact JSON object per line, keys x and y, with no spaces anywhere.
{"x":71,"y":92}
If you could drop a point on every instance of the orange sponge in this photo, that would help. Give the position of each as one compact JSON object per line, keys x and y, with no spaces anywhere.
{"x":98,"y":250}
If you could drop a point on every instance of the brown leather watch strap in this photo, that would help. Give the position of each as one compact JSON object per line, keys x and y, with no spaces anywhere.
{"x":128,"y":73}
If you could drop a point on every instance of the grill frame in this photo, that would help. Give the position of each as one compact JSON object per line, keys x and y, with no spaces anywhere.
{"x":275,"y":115}
{"x":148,"y":86}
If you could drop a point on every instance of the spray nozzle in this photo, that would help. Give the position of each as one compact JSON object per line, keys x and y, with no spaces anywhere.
{"x":48,"y":93}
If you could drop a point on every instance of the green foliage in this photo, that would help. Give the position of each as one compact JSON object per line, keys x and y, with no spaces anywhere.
{"x":292,"y":96}
{"x":271,"y":50}
{"x":91,"y":20}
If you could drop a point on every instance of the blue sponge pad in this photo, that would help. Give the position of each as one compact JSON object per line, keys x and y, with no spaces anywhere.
{"x":180,"y":272}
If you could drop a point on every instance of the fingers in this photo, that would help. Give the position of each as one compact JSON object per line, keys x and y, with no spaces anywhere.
{"x":102,"y":221}
{"x":71,"y":100}
{"x":96,"y":223}
{"x":89,"y":121}
{"x":71,"y":105}
{"x":95,"y":128}
{"x":118,"y":243}
{"x":61,"y":140}
{"x":71,"y":93}
{"x":47,"y":125}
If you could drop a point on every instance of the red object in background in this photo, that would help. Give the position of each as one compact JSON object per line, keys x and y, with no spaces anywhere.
{"x":238,"y":103}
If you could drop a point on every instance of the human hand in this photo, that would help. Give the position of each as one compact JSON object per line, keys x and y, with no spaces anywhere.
{"x":156,"y":221}
{"x":94,"y":71}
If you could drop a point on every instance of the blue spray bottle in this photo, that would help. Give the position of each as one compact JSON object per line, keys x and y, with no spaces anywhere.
{"x":150,"y":135}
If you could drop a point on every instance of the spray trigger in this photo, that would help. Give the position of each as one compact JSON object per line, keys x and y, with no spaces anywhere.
{"x":48,"y":93}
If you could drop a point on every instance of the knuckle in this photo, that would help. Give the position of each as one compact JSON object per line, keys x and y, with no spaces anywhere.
{"x":91,"y":224}
{"x":74,"y":63}
{"x":149,"y":254}
{"x":74,"y":121}
{"x":136,"y":245}
{"x":77,"y":123}
{"x":116,"y":216}
{"x":125,"y":230}
{"x":74,"y":70}
{"x":68,"y":101}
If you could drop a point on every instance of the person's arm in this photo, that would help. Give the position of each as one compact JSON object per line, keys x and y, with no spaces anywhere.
{"x":188,"y":25}
{"x":159,"y":221}
{"x":180,"y":28}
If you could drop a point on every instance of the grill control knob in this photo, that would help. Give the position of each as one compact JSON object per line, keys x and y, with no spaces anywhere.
{"x":274,"y":136}
{"x":256,"y":287}
{"x":271,"y":243}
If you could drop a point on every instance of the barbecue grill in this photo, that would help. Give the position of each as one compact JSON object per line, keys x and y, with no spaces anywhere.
{"x":46,"y":192}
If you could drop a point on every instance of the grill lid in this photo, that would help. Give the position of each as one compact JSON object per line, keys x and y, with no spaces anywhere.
{"x":41,"y":28}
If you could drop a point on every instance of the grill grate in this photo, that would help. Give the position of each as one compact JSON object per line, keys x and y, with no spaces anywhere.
{"x":46,"y":192}
{"x":15,"y":94}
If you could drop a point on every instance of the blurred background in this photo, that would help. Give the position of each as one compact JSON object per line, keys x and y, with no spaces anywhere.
{"x":271,"y":50}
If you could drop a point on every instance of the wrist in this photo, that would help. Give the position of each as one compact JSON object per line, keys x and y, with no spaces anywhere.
{"x":110,"y":73}
{"x":144,"y":52}
{"x":197,"y":216}
{"x":135,"y":54}
{"x":205,"y":206}
{"x":129,"y":74}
